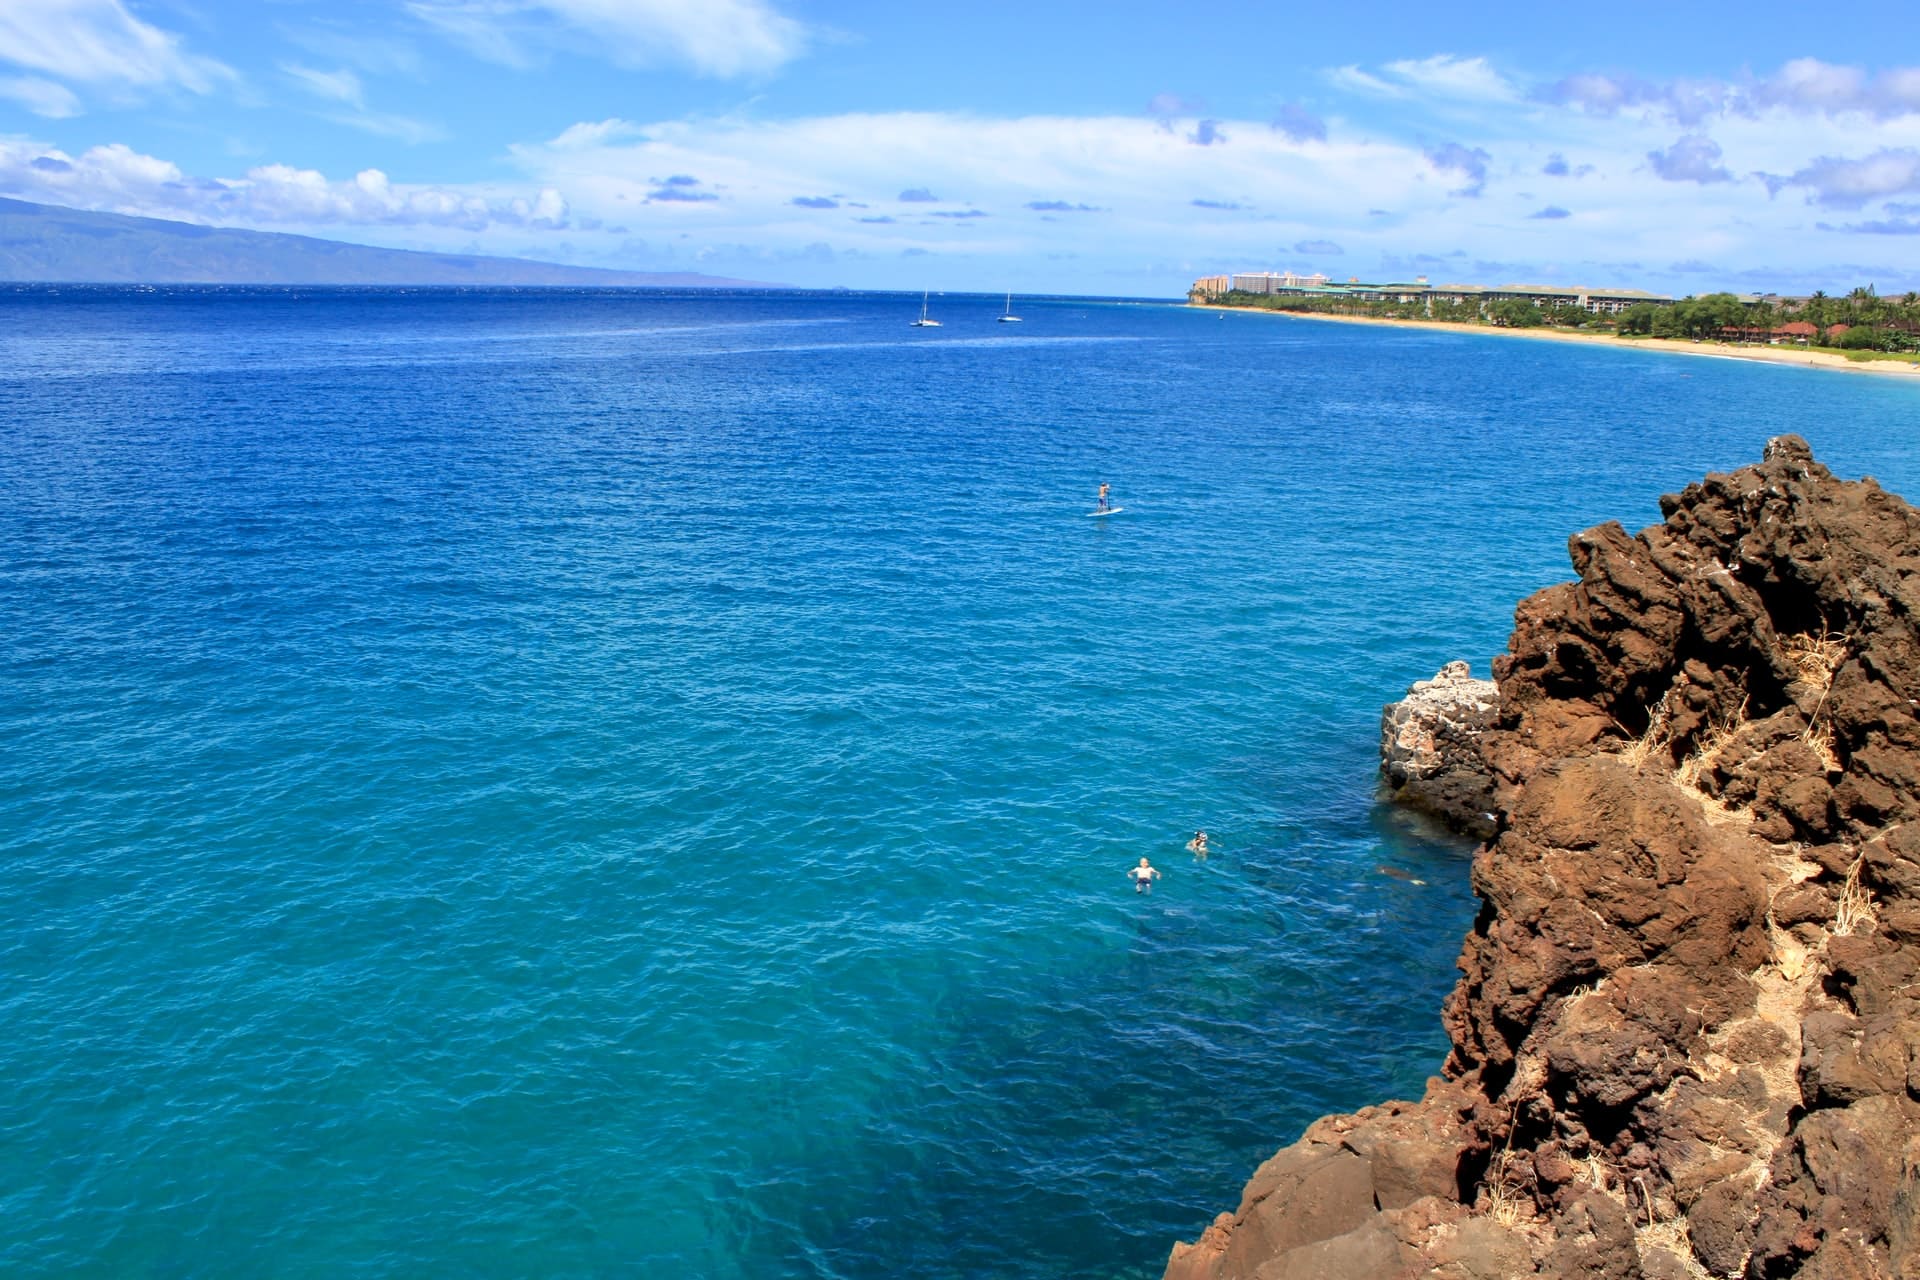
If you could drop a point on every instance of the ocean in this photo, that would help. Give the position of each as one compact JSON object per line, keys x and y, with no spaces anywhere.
{"x":602,"y":784}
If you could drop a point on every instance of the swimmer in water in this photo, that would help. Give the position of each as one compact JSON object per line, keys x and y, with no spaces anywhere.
{"x":1198,"y":845}
{"x":1143,"y":876}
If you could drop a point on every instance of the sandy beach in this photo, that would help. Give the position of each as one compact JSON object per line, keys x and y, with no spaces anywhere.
{"x":1811,"y":359}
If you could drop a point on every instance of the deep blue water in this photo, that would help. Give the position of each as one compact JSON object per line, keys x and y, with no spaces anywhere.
{"x":569,"y":784}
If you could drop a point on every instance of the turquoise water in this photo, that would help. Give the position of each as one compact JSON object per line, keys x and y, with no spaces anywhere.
{"x":563,"y":784}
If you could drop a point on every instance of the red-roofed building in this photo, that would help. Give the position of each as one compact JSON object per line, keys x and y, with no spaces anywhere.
{"x":1796,"y":331}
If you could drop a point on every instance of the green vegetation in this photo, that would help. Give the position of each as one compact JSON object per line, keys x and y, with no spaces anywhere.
{"x":1512,"y":312}
{"x":1862,"y":323}
{"x":1868,"y":357}
{"x":1704,"y":317}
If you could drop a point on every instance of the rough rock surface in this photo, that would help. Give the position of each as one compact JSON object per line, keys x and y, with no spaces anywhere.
{"x":1686,"y":1038}
{"x":1430,"y":751}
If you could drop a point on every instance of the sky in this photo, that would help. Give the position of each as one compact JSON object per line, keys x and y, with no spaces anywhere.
{"x":1117,"y":148}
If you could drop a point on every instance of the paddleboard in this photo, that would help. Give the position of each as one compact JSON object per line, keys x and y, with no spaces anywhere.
{"x":1110,"y":511}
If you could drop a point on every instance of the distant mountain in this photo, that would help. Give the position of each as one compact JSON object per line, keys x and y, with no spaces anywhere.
{"x":50,"y":244}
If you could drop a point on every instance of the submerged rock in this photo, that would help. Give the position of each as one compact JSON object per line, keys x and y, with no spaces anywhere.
{"x":1686,"y":1038}
{"x":1430,"y":748}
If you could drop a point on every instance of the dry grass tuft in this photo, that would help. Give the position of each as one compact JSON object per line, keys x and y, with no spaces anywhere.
{"x":1855,"y":913}
{"x":1655,"y":741}
{"x":1816,"y":658}
{"x":1721,"y":813}
{"x":1691,"y":773}
{"x":1819,"y":735}
{"x":1713,"y":740}
{"x":1594,"y":1173}
{"x":1782,"y":988}
{"x":1789,"y":957}
{"x":1672,"y":1235}
{"x":1507,"y":1200}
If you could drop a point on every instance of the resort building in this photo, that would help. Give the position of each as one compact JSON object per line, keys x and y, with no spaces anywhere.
{"x":1594,"y":301}
{"x":1608,"y":302}
{"x":1546,"y":297}
{"x":1274,"y":282}
{"x":1612,"y":302}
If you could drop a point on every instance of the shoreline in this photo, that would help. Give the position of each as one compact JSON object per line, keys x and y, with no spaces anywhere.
{"x":1658,"y":1061}
{"x":1799,"y":356}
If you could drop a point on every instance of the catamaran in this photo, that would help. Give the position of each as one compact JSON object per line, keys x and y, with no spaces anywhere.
{"x":923,"y":322}
{"x":1008,"y":317}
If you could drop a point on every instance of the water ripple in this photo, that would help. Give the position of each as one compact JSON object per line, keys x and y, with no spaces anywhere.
{"x":590,"y":784}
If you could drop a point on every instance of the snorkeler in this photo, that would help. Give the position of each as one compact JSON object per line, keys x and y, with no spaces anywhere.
{"x":1143,"y":876}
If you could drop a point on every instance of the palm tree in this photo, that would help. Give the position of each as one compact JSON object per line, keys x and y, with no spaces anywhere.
{"x":1816,"y":309}
{"x":1862,"y":301}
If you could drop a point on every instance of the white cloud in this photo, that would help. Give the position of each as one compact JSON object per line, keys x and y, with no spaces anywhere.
{"x":1443,"y":78}
{"x":371,"y":53}
{"x":746,"y":181}
{"x":1299,"y":124}
{"x":1165,"y":106}
{"x":721,"y":38}
{"x":1604,"y":94}
{"x":968,"y":159}
{"x":962,"y":196}
{"x":507,"y":33}
{"x":1469,"y":163}
{"x":1352,"y":78}
{"x":1230,"y":204}
{"x":1808,"y":84}
{"x":1694,"y":158}
{"x":1901,"y":87}
{"x":42,"y":97}
{"x":1849,"y":184}
{"x":1686,"y":102}
{"x":119,"y":168}
{"x":549,"y":208}
{"x":577,"y":137}
{"x":98,"y":42}
{"x":1447,"y":76}
{"x":1822,"y":86}
{"x":118,"y":179}
{"x":1207,"y":133}
{"x":399,"y":128}
{"x":341,"y":86}
{"x":1801,"y":86}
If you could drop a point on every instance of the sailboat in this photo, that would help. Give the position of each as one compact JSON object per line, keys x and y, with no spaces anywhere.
{"x":923,"y":322}
{"x":1008,"y":317}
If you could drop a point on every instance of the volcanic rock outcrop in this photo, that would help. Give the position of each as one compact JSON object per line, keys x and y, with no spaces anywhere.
{"x":1686,"y":1038}
{"x":1430,"y":748}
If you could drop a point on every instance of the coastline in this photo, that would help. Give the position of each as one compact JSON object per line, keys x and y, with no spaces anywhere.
{"x":1800,"y":356}
{"x":1678,"y":1034}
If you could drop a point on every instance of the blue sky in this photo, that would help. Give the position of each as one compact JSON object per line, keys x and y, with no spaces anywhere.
{"x":1110,"y":147}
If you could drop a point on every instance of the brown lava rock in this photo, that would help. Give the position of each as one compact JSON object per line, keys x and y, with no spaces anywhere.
{"x":1686,"y":1037}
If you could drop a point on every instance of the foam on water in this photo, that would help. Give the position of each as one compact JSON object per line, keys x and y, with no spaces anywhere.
{"x":605,"y":784}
